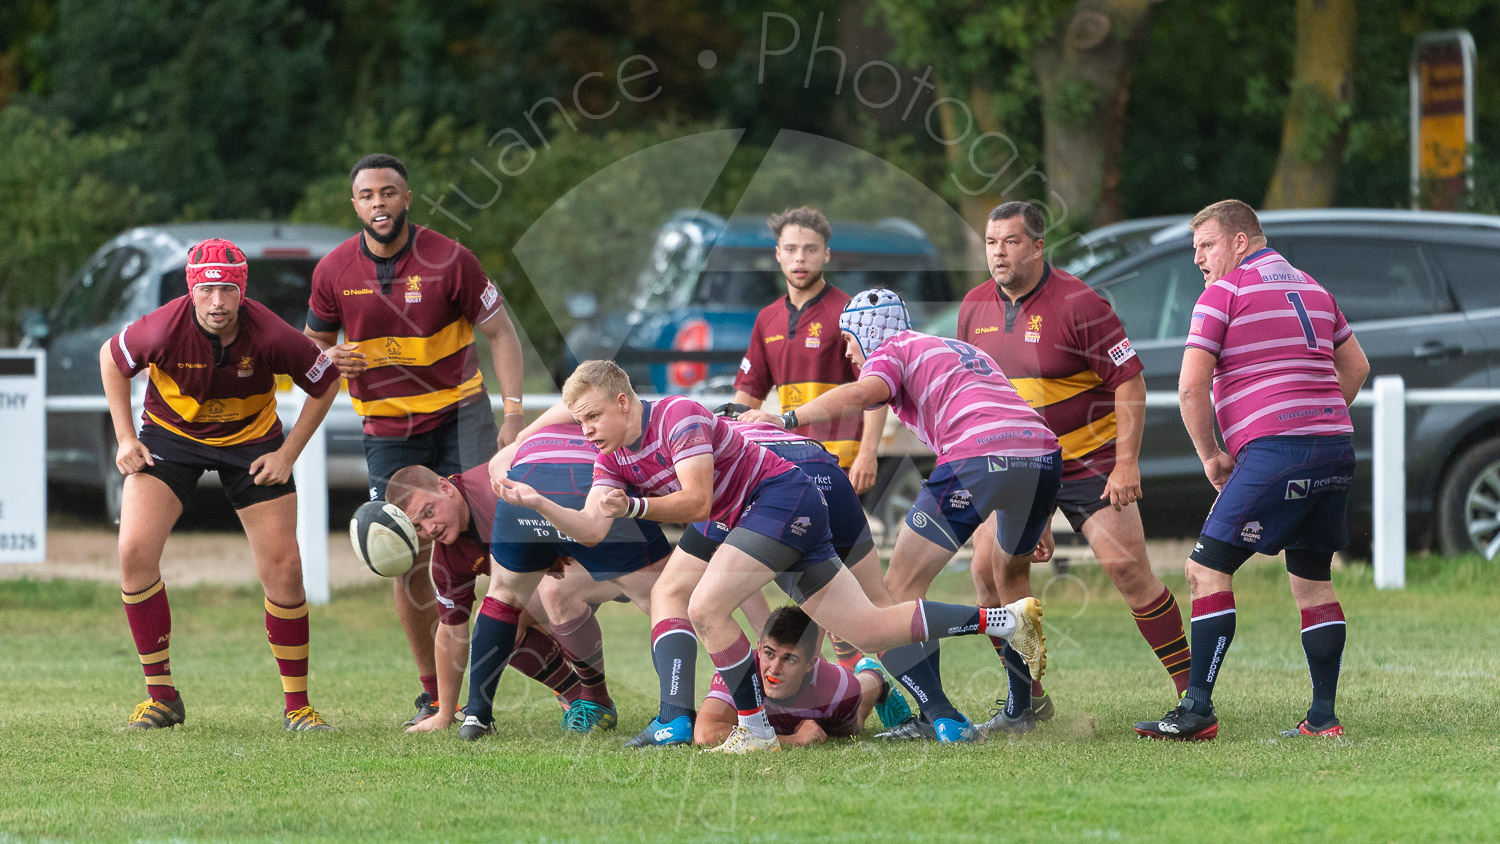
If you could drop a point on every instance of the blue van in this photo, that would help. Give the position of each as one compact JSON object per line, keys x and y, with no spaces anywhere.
{"x":689,"y":319}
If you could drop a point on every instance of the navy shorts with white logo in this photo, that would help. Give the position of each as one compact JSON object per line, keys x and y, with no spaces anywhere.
{"x":523,"y":541}
{"x":785,"y":527}
{"x":960,"y":495}
{"x":1284,"y":493}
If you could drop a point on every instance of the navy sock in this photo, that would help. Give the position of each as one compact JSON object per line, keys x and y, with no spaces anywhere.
{"x":915,"y":666}
{"x":1018,"y":693}
{"x":1213,"y":631}
{"x":490,"y":647}
{"x":674,"y":652}
{"x":933,"y":620}
{"x":736,"y":666}
{"x":1323,"y":632}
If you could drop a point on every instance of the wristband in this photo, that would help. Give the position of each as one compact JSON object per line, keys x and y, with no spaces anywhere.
{"x":789,"y":420}
{"x":513,"y":407}
{"x":635,"y":508}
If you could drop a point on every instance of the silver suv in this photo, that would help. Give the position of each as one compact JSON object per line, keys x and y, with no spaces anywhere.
{"x":137,"y":272}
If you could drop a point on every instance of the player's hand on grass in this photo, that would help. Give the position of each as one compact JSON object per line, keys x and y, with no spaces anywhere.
{"x":1218,"y":468}
{"x":347,"y":357}
{"x":271,"y":469}
{"x":432,"y":724}
{"x":132,"y":456}
{"x":808,"y":732}
{"x":862,"y":472}
{"x":500,"y":466}
{"x":1045,"y":546}
{"x":1123,"y":486}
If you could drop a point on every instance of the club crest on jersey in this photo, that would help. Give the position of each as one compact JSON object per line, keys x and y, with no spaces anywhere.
{"x":246,"y":367}
{"x":814,"y":336}
{"x":1297,"y":489}
{"x":1034,"y":329}
{"x":1250,"y":532}
{"x":413,"y":290}
{"x":800,"y":525}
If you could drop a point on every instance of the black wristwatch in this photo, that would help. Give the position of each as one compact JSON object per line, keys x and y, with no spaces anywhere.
{"x":789,"y":420}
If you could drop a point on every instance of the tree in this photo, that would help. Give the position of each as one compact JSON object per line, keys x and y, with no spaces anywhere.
{"x":1319,"y":106}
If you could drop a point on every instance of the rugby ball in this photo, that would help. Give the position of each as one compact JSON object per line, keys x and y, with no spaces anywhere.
{"x":384,"y":538}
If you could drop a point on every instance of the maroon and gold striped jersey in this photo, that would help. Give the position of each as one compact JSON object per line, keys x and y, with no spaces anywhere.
{"x":1065,"y":351}
{"x":800,"y":353}
{"x":214,"y":394}
{"x":413,"y":317}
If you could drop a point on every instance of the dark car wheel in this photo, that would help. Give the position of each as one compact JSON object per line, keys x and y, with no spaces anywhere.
{"x":1469,"y":506}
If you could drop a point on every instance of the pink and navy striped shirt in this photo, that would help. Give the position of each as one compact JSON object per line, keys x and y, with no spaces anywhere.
{"x":1273,"y":330}
{"x":561,"y":443}
{"x":956,"y":400}
{"x":675,"y":429}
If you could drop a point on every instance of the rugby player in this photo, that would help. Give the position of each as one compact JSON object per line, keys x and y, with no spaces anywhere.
{"x":1065,"y":351}
{"x":792,"y":348}
{"x":408,"y":301}
{"x":995,"y":455}
{"x":692,"y":466}
{"x":477,"y":533}
{"x":1271,"y":357}
{"x":808,"y":701}
{"x":213,"y":357}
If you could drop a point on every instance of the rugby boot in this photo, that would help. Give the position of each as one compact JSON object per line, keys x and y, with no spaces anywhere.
{"x":677,"y":731}
{"x":1333,"y":729}
{"x":741,"y":741}
{"x":157,"y":714}
{"x":426,"y":708}
{"x":1181,"y":724}
{"x":1028,"y":639}
{"x":999,"y":722}
{"x":474,"y":729}
{"x":1041,"y":705}
{"x":945,"y":730}
{"x":894,"y":710}
{"x":306,"y":720}
{"x":586,"y":716}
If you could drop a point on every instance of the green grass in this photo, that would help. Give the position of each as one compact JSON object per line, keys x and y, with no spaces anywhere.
{"x":1418,"y":696}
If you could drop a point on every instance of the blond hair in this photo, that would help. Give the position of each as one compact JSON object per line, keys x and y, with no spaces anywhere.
{"x":606,"y":376}
{"x":1233,"y":216}
{"x":410,"y":481}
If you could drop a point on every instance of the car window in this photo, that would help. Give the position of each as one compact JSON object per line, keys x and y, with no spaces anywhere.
{"x":84,"y":294}
{"x":281,"y":284}
{"x":1155,"y":301}
{"x":1473,"y":273}
{"x":1370,"y":279}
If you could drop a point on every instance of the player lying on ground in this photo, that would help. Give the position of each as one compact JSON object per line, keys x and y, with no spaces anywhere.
{"x":213,"y":358}
{"x":808,"y":700}
{"x":479,"y":533}
{"x":994,"y":455}
{"x":673,"y":461}
{"x":851,"y":541}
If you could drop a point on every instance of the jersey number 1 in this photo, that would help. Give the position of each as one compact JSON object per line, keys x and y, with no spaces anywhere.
{"x":1307,"y":328}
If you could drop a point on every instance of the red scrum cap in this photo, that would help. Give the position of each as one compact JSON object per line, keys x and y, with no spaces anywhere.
{"x":216,"y":261}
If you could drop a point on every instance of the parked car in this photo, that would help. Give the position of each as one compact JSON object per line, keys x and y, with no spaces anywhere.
{"x":1422,"y":292}
{"x":695,"y":301}
{"x":130,"y":276}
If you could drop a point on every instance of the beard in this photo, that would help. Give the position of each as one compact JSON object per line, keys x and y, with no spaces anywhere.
{"x":811,"y":280}
{"x":397,"y":229}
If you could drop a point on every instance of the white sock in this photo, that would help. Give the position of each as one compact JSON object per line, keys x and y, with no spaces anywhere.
{"x":757,"y":724}
{"x":999,"y":623}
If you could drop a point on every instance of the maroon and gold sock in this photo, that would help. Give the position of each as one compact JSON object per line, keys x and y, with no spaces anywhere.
{"x":286,"y":629}
{"x":846,"y":654}
{"x":539,"y":657}
{"x":150,"y":618}
{"x":1160,"y":623}
{"x":582,"y":642}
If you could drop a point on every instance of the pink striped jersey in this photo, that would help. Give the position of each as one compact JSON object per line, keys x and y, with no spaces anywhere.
{"x":1273,"y":330}
{"x":762,"y":433}
{"x":561,"y":443}
{"x":956,"y":400}
{"x":675,"y":429}
{"x":829,"y":696}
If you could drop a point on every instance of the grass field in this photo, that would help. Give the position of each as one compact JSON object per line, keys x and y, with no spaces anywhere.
{"x":1418,"y":697}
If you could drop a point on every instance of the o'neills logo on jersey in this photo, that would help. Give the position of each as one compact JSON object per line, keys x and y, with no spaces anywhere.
{"x":246,"y":367}
{"x":988,"y":329}
{"x":775,"y":337}
{"x":413,"y":290}
{"x":358,"y":291}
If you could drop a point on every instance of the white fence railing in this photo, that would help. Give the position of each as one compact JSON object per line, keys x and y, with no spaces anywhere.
{"x":1388,"y":396}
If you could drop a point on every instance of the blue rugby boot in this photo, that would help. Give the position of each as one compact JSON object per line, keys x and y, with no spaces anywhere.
{"x":677,"y":731}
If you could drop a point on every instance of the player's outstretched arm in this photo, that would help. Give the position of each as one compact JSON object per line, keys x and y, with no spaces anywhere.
{"x":837,"y":403}
{"x":691,"y":503}
{"x":451,"y":649}
{"x":132,"y":455}
{"x":588,"y":526}
{"x":346,"y":356}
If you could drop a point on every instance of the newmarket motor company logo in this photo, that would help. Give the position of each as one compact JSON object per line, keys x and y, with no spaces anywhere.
{"x":1297,"y":489}
{"x":998,"y":464}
